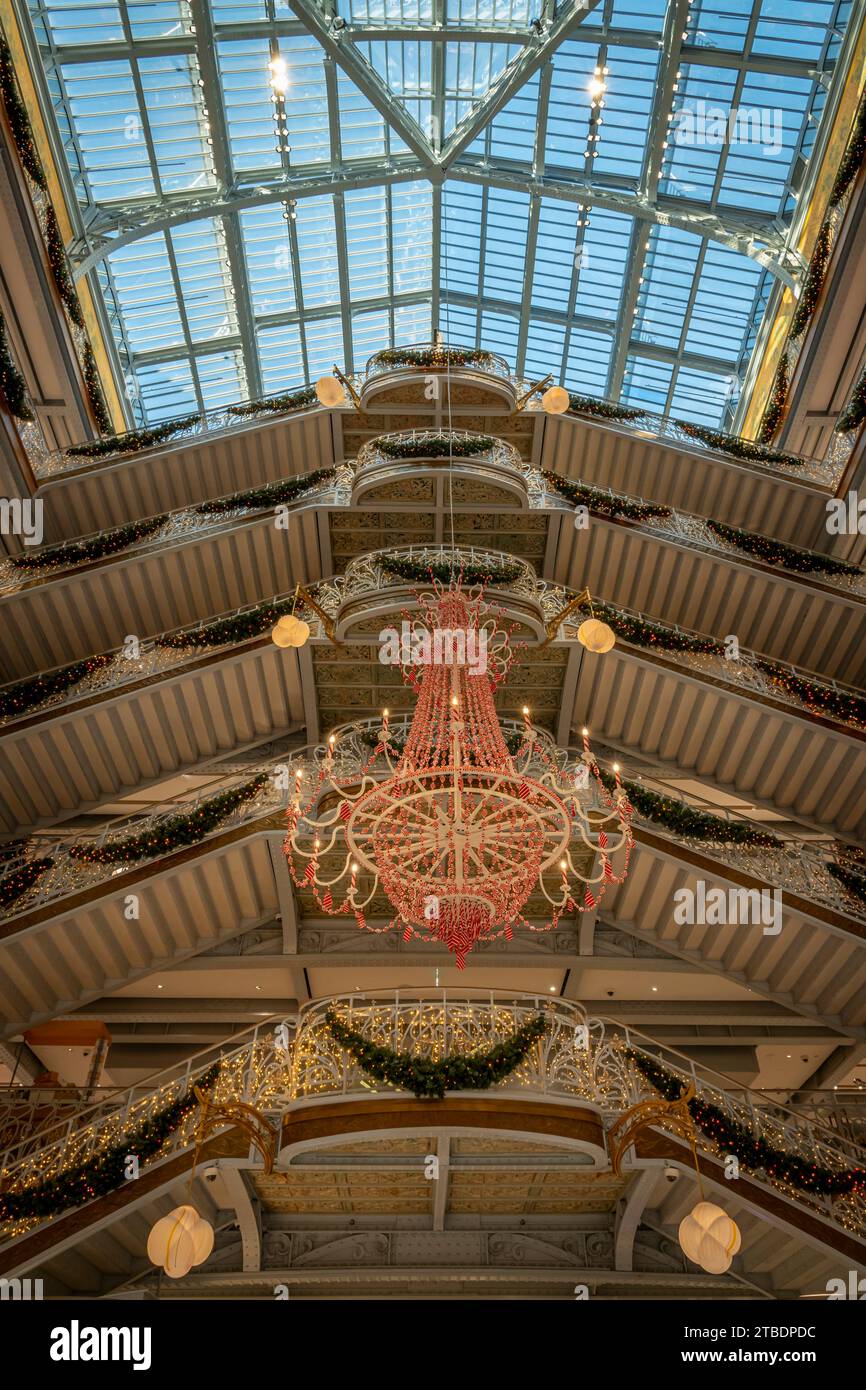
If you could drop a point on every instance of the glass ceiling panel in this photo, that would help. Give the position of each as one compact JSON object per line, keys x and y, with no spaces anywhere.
{"x":564,"y":239}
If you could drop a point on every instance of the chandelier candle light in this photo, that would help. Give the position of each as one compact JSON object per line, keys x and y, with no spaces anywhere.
{"x":455,"y":831}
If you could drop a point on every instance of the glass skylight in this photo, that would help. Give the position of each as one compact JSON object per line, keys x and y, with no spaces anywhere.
{"x":267,"y":197}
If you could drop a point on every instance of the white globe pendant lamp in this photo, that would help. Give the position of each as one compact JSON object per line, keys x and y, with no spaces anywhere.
{"x":555,"y":400}
{"x":709,"y":1237}
{"x":596,"y":636}
{"x":179,"y":1241}
{"x":329,"y":391}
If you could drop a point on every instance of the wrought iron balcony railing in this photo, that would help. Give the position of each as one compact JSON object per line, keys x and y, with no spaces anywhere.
{"x":581,"y":1061}
{"x":795,"y":864}
{"x":437,"y":357}
{"x":750,"y":674}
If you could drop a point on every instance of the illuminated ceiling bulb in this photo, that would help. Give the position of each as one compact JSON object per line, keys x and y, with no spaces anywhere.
{"x":596,"y":636}
{"x":555,"y":400}
{"x":329,"y":392}
{"x":279,"y":78}
{"x":596,"y":86}
{"x":709,"y":1237}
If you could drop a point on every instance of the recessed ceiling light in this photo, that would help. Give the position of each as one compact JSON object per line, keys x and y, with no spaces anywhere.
{"x":655,"y":989}
{"x":160,"y":986}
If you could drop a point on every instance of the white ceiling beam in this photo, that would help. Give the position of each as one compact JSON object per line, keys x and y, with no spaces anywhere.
{"x":546,"y":41}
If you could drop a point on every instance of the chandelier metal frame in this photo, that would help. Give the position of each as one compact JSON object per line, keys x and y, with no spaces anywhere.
{"x":456,"y":831}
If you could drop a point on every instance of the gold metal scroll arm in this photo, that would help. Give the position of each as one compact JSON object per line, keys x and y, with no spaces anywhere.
{"x":521,"y":402}
{"x":671,"y":1114}
{"x":556,"y":622}
{"x":327,"y":623}
{"x":347,"y":386}
{"x":238,"y":1115}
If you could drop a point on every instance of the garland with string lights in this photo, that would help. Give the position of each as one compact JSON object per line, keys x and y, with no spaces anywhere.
{"x":753,"y":1152}
{"x":853,"y":883}
{"x":605,"y":503}
{"x":601,"y":410}
{"x":19,"y":120}
{"x":12,"y":384}
{"x":777,"y":553}
{"x":96,"y":548}
{"x":14,"y":885}
{"x":642,"y":633}
{"x":682,"y":819}
{"x":174,"y":832}
{"x":269,"y":495}
{"x":776,"y":404}
{"x":853,"y":158}
{"x":133,"y":440}
{"x":105,"y":1171}
{"x":813,"y":282}
{"x":434,"y":357}
{"x":56,"y":253}
{"x":854,"y":413}
{"x":513,"y":741}
{"x":290,"y":400}
{"x":17,"y":699}
{"x":820,"y":699}
{"x":435,"y":446}
{"x":422,"y":571}
{"x":240,"y":627}
{"x":849,"y":167}
{"x":749,"y":450}
{"x":429,"y":1080}
{"x":93,"y":387}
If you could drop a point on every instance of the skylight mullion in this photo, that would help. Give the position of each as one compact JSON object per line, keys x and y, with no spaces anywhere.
{"x":687,"y":317}
{"x":742,"y":70}
{"x":544,"y":83}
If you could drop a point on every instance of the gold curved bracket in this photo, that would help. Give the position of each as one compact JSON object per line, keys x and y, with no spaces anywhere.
{"x":347,"y":386}
{"x":240,"y":1116}
{"x":520,"y":403}
{"x":556,"y":622}
{"x":672,"y":1114}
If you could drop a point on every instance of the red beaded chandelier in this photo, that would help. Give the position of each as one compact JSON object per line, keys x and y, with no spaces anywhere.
{"x":456,"y":831}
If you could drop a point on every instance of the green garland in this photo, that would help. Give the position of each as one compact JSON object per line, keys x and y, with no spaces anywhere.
{"x":775,"y":407}
{"x":753,"y":1152}
{"x":854,"y":413}
{"x":240,"y":627}
{"x":17,"y":699}
{"x":133,"y":440}
{"x":434,"y":446}
{"x":849,"y":167}
{"x":749,"y":450}
{"x":270,"y":495}
{"x":435,"y":357}
{"x":291,"y":400}
{"x":602,"y":410}
{"x":19,"y":120}
{"x":185,"y":828}
{"x":56,"y":253}
{"x":97,"y":548}
{"x":853,"y":158}
{"x":12,"y":384}
{"x":820,"y":699}
{"x":106,"y":1171}
{"x":21,"y":880}
{"x":429,"y":1080}
{"x":777,"y":553}
{"x":93,"y":387}
{"x":813,"y":282}
{"x":683,"y":819}
{"x":642,"y":633}
{"x":852,"y":882}
{"x":513,"y":742}
{"x":418,"y":570}
{"x":605,"y":503}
